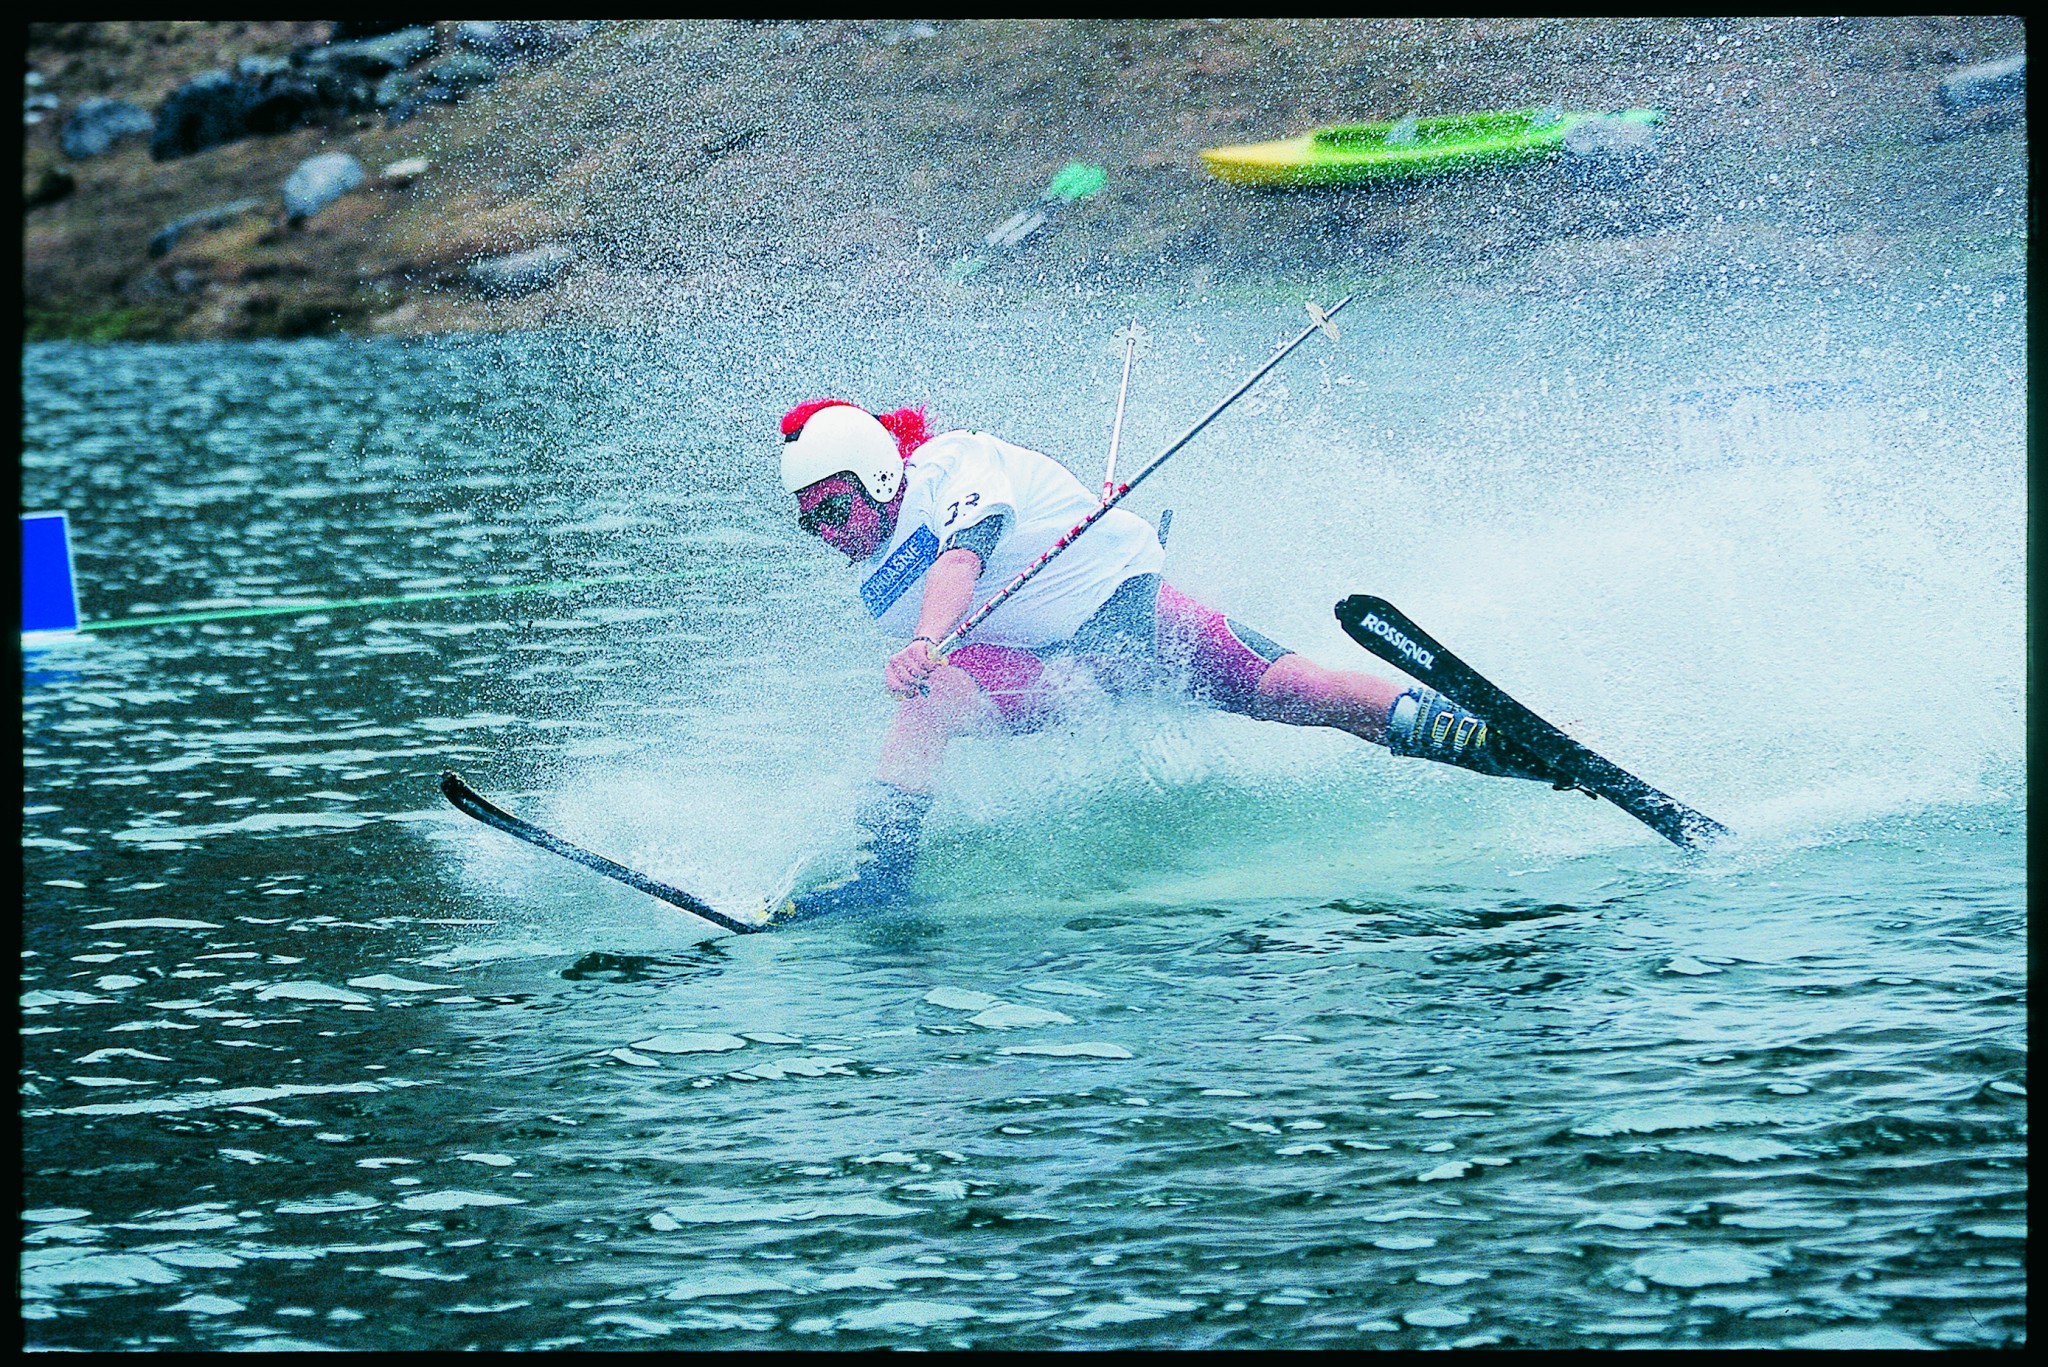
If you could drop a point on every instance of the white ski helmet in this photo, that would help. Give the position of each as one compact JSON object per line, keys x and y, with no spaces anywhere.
{"x":843,"y":439}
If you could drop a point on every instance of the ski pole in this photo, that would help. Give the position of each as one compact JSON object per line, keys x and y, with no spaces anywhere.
{"x":1319,"y":321}
{"x":1132,"y":335}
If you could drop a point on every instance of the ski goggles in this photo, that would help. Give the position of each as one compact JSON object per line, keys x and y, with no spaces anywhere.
{"x":830,"y":511}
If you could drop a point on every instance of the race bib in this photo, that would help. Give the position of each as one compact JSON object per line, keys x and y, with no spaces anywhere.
{"x":904,"y":567}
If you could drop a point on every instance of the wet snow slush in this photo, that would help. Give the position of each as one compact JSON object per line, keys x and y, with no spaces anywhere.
{"x":1201,"y":1031}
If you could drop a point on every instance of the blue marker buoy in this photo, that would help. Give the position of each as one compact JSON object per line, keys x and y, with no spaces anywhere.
{"x":49,"y":590}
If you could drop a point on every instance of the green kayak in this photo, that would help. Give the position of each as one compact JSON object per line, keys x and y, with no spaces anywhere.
{"x":1357,"y":152}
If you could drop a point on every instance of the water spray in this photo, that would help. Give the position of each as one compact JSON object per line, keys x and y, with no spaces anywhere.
{"x":1319,"y":321}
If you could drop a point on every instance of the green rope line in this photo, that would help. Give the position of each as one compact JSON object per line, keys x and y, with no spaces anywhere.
{"x":169,"y":619}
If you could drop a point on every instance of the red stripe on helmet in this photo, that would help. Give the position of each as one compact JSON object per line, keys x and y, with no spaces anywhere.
{"x":908,"y":425}
{"x":795,"y":418}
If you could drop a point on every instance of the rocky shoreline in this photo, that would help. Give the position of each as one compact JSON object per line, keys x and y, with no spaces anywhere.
{"x":214,"y":180}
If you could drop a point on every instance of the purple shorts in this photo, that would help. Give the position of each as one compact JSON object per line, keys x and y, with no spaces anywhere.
{"x":1192,"y":648}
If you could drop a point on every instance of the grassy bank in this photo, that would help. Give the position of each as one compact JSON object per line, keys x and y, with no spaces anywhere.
{"x":721,"y":165}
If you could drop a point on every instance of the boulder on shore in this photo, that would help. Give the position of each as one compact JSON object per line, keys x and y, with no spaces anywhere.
{"x":370,"y":59}
{"x":318,"y":182}
{"x":53,"y":184}
{"x":221,"y":106}
{"x":393,"y":89}
{"x":269,"y":95}
{"x":97,"y":124}
{"x":293,"y":99}
{"x":520,"y":272}
{"x":402,"y":173}
{"x":163,"y":239}
{"x":206,"y":111}
{"x":510,"y":40}
{"x":461,"y":72}
{"x":256,"y":67}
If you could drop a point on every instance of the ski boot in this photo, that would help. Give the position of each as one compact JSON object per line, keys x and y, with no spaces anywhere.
{"x":1424,"y":723}
{"x":891,"y":820}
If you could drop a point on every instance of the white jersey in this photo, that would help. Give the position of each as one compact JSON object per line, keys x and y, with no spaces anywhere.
{"x":956,"y":480}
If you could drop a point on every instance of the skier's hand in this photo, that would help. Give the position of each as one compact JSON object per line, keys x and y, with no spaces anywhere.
{"x":909,"y":667}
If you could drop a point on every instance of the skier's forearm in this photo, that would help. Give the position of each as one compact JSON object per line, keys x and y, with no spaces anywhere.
{"x":948,"y":592}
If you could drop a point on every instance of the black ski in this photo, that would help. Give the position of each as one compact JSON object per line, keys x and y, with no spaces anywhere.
{"x":1381,"y":628}
{"x":470,"y":802}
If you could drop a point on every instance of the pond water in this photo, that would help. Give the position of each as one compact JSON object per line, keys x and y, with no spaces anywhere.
{"x":1201,"y":1032}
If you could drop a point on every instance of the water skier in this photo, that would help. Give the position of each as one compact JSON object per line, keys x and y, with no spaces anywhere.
{"x":938,"y":522}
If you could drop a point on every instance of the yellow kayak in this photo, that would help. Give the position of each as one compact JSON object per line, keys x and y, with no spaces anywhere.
{"x":1353,"y":153}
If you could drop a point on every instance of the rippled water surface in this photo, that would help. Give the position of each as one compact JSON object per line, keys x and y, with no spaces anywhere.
{"x":1202,"y":1032}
